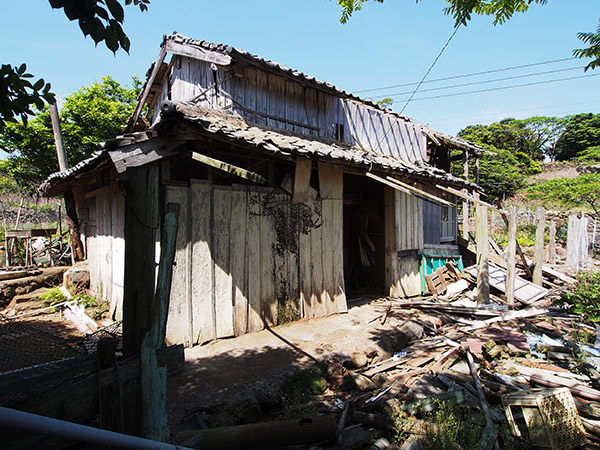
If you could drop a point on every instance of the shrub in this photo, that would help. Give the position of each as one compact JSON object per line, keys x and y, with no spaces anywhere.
{"x":585,"y":297}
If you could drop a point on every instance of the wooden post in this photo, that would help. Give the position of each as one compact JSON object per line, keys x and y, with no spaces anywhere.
{"x":483,"y":270}
{"x":594,"y":238}
{"x":77,"y":252}
{"x":519,"y":251}
{"x":538,"y":253}
{"x":465,"y":208}
{"x":153,"y":372}
{"x":552,"y":243}
{"x":141,"y":225}
{"x":63,"y":164}
{"x":511,"y":257}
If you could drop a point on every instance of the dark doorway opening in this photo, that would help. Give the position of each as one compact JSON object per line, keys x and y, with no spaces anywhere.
{"x":364,"y":236}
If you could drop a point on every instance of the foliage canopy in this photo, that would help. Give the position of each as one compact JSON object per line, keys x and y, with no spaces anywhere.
{"x":89,"y":116}
{"x":570,"y":192}
{"x":504,"y":165}
{"x":102,"y":20}
{"x":581,"y":132}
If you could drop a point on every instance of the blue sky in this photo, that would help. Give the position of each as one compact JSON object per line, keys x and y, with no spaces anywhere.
{"x":385,"y":44}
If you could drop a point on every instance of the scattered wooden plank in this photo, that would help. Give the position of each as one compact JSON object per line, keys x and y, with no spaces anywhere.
{"x":525,"y":291}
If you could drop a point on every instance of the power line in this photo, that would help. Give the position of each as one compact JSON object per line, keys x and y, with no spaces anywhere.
{"x":484,"y":81}
{"x":511,"y":111}
{"x":465,"y":75}
{"x":430,"y":68}
{"x":506,"y":87}
{"x":421,"y":82}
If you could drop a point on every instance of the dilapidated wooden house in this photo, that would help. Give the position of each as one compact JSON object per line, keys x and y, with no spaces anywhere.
{"x":292,"y":194}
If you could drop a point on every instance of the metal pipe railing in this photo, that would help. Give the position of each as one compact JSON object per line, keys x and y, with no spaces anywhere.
{"x":34,"y":423}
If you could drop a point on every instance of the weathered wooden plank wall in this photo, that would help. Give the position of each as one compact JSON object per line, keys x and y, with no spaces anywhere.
{"x":234,"y":274}
{"x":404,"y":216}
{"x":270,"y":99}
{"x":106,"y":246}
{"x":117,"y":218}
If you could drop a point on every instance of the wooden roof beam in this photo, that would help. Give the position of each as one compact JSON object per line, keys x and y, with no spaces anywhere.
{"x":408,"y":189}
{"x":229,"y":168}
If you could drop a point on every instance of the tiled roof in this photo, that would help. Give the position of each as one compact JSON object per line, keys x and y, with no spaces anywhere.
{"x":83,"y":166}
{"x":235,"y":128}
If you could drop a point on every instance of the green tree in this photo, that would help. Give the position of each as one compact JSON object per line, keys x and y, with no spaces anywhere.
{"x":582,"y":131}
{"x":501,"y":10}
{"x":89,"y":116}
{"x":100,"y":19}
{"x":535,"y":136}
{"x":570,"y":192}
{"x":502,"y":171}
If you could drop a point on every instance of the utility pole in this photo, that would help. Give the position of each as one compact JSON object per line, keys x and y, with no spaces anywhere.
{"x":77,"y":253}
{"x":63,"y":164}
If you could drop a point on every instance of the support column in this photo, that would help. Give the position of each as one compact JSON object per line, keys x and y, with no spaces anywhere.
{"x":465,"y":205}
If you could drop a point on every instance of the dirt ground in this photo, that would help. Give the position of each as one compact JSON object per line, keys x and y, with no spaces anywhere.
{"x":230,"y":371}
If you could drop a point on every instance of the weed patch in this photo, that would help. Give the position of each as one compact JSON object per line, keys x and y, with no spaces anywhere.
{"x":585,"y":297}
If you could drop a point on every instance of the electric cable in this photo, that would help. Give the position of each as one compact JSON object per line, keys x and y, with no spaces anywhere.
{"x":467,"y":75}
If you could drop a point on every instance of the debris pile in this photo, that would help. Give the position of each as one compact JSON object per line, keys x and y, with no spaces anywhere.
{"x":455,"y":375}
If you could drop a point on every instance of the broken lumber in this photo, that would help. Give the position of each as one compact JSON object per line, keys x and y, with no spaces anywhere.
{"x":577,"y":390}
{"x":263,"y":435}
{"x":375,"y":420}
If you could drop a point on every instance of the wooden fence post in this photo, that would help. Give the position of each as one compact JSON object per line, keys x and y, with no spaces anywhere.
{"x":538,"y":253}
{"x":153,"y":372}
{"x":465,"y":205}
{"x":511,"y":256}
{"x":552,"y":243}
{"x":483,"y":270}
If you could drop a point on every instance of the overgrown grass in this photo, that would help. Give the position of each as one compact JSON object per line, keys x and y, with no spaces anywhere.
{"x":584,"y":299}
{"x":300,"y":391}
{"x":96,"y":308}
{"x":451,"y":427}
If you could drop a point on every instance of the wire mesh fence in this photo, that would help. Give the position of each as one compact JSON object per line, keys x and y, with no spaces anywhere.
{"x":23,"y":344}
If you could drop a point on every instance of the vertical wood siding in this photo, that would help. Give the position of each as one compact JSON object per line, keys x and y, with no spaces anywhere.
{"x":404,"y":233}
{"x":238,"y":274}
{"x":106,"y":247}
{"x":269,"y":99}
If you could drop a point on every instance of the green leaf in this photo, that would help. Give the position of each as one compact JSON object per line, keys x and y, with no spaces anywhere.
{"x":116,"y":10}
{"x":22,"y":68}
{"x":98,"y":31}
{"x":38,"y":84}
